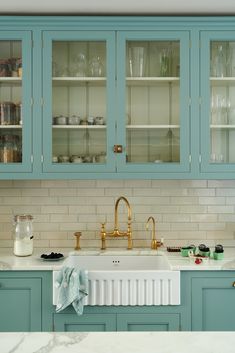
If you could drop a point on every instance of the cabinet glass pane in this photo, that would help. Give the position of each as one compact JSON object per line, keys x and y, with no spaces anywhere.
{"x":222,"y":119}
{"x":79,"y":102}
{"x":152,"y":109}
{"x":10,"y":101}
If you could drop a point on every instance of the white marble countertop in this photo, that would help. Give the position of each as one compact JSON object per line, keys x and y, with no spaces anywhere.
{"x":118,"y":342}
{"x":34,"y":263}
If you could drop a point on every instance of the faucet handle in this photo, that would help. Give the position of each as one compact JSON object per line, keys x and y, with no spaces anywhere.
{"x":77,"y":235}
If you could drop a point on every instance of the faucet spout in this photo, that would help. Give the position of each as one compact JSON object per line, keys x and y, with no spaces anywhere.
{"x":122,"y":198}
{"x":116,"y":232}
{"x":153,"y":241}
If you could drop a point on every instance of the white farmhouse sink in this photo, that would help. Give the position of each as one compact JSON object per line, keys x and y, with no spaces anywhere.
{"x":127,"y":280}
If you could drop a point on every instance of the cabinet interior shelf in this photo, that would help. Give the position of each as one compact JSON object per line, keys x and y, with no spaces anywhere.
{"x":10,"y":126}
{"x":150,"y":80}
{"x":82,"y":127}
{"x":74,"y":81}
{"x":217,"y":81}
{"x":152,"y":126}
{"x":222,"y":126}
{"x":11,"y":80}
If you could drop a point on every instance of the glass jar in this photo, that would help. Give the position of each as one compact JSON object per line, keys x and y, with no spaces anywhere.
{"x":8,"y":113}
{"x":9,"y":149}
{"x":23,"y":235}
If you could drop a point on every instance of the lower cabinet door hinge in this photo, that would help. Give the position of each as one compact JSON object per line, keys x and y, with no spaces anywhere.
{"x":200,"y":159}
{"x":42,"y":159}
{"x":190,"y":159}
{"x":31,"y":158}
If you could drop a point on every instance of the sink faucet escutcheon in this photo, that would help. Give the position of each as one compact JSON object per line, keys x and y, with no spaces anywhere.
{"x":116,"y":233}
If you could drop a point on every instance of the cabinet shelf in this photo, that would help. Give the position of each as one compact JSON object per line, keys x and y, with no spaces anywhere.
{"x":152,"y":126}
{"x":222,"y":126}
{"x":11,"y":80}
{"x":221,"y":81}
{"x":10,"y":126}
{"x":74,"y":81}
{"x":142,"y":81}
{"x":79,"y":127}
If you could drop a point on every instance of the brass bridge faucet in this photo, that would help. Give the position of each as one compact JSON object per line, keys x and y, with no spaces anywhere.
{"x":154,"y":244}
{"x":116,"y":233}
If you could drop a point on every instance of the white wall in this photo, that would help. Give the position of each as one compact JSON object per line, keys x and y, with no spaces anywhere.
{"x":121,"y":6}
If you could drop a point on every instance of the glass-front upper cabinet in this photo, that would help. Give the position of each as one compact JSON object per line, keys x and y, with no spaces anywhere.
{"x":218,"y":101}
{"x":79,"y":101}
{"x":15,"y":102}
{"x":154,"y":118}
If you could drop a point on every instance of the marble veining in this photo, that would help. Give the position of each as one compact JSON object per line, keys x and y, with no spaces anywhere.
{"x":118,"y":342}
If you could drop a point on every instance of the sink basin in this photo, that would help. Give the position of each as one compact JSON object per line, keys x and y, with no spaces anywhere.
{"x":127,"y":279}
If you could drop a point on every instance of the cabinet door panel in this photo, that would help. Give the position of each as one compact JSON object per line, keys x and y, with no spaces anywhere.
{"x":20,"y":304}
{"x":15,"y":98}
{"x":218,"y":94}
{"x":85,"y":323}
{"x":213,"y":304}
{"x":153,"y":106}
{"x":79,"y":111}
{"x":148,"y":322}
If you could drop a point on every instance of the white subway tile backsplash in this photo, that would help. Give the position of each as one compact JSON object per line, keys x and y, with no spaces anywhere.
{"x":186,"y":211}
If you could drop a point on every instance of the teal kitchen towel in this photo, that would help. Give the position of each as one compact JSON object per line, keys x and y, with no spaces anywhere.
{"x":72,"y":286}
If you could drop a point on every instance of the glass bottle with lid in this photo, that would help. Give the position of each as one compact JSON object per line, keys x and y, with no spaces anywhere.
{"x":23,"y":235}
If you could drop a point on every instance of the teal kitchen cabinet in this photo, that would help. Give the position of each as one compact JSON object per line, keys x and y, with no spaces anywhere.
{"x":25,"y":301}
{"x":148,"y":322}
{"x":85,"y":323}
{"x":16,"y":102}
{"x":116,"y":105}
{"x":117,"y":97}
{"x":213,"y":299}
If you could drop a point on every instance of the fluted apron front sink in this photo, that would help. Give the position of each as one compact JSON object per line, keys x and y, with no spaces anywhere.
{"x":127,"y":280}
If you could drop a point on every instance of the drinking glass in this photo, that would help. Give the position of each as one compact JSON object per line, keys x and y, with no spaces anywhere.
{"x":137,"y":60}
{"x":165,"y":62}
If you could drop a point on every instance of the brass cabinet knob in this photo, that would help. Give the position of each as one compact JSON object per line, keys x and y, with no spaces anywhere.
{"x":233,"y":284}
{"x":117,"y":148}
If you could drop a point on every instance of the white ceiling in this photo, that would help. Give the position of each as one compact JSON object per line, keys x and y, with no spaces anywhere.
{"x":119,"y":7}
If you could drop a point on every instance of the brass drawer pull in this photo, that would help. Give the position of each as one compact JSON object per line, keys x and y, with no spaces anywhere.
{"x":233,"y":284}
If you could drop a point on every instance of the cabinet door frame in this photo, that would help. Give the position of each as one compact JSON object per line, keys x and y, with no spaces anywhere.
{"x":76,"y":35}
{"x":27,"y":116}
{"x":205,"y":112}
{"x":155,"y":35}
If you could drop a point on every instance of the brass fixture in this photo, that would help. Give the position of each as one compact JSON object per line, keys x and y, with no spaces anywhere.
{"x":233,"y":284}
{"x":77,"y":235}
{"x":116,"y":233}
{"x":154,"y":243}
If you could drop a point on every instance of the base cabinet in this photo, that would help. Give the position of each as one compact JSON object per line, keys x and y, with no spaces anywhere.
{"x":148,"y":322}
{"x":20,"y":304}
{"x":25,"y":301}
{"x":213,"y":301}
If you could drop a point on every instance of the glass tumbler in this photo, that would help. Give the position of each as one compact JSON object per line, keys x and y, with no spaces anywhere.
{"x":137,"y":60}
